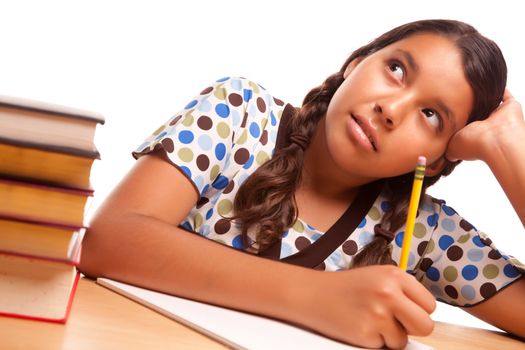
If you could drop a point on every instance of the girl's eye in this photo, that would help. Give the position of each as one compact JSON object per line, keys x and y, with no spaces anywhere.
{"x":397,"y":70}
{"x":433,"y":118}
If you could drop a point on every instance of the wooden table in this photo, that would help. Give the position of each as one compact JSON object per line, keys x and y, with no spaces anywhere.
{"x":102,"y":319}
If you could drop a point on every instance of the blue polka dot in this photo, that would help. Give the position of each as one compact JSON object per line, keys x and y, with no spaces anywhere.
{"x":437,"y":291}
{"x":187,"y":226}
{"x":237,"y":242}
{"x":362,"y":223}
{"x":286,"y":250}
{"x":411,"y":260}
{"x":205,"y":230}
{"x":469,"y":272}
{"x":220,"y":182}
{"x":236,"y":84}
{"x":365,"y":237}
{"x":205,"y":142}
{"x":252,"y":109}
{"x":205,"y":189}
{"x":249,"y":162}
{"x":273,"y":136}
{"x":475,"y":254}
{"x":204,"y":106}
{"x":316,"y":236}
{"x":285,"y":233}
{"x":311,"y":227}
{"x":477,"y":241}
{"x":191,"y":104}
{"x":335,"y":258}
{"x":427,"y":206}
{"x":433,"y":274}
{"x":199,"y":181}
{"x":236,"y":119}
{"x":222,"y":79}
{"x":186,"y":136}
{"x":432,"y":220}
{"x":247,"y":95}
{"x":510,"y":271}
{"x":386,"y":206}
{"x":448,"y":224}
{"x":209,"y":213}
{"x":220,"y":151}
{"x":255,"y":131}
{"x":273,"y":120}
{"x":141,"y":147}
{"x":222,"y":110}
{"x":186,"y":171}
{"x":445,"y":241}
{"x":468,"y":292}
{"x":241,"y":179}
{"x":448,"y":210}
{"x":399,"y":239}
{"x":161,"y":135}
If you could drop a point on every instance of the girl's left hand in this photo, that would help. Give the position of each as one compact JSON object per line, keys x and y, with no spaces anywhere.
{"x":476,"y":140}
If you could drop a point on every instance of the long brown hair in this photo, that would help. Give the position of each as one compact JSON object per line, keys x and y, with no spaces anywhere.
{"x":266,"y":202}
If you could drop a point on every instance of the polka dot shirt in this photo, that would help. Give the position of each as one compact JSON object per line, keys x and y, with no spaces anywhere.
{"x":226,"y":132}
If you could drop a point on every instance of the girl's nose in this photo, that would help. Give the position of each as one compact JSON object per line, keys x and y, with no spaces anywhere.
{"x":392,"y":111}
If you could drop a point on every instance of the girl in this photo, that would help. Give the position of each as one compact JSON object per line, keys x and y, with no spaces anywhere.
{"x":326,"y":187}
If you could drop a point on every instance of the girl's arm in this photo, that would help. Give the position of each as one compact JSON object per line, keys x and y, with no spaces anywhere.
{"x":500,"y":142}
{"x":134,"y":238}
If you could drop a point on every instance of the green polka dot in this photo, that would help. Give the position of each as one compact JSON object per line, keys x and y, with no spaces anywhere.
{"x":197,"y":220}
{"x":244,"y":136}
{"x":490,"y":271}
{"x":159,"y":130}
{"x":263,"y":123}
{"x":224,"y":206}
{"x":214,"y":172}
{"x":254,"y":87}
{"x":261,"y":157}
{"x":188,"y":120}
{"x":420,"y":230}
{"x":450,"y":273}
{"x":220,"y":93}
{"x":516,"y":262}
{"x":430,"y":246}
{"x":185,"y":154}
{"x":464,"y":238}
{"x":220,"y":241}
{"x":374,"y":214}
{"x":223,"y":130}
{"x":279,"y":114}
{"x":298,"y":226}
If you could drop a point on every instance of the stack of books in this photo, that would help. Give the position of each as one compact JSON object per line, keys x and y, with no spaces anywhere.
{"x":46,"y":154}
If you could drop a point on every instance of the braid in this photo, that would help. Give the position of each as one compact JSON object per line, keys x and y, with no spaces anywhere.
{"x":265,"y":202}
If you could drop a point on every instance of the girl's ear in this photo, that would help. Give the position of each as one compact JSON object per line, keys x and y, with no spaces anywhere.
{"x":436,"y":167}
{"x":351,"y":66}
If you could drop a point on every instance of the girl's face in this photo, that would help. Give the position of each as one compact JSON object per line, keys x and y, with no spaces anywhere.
{"x":403,"y":101}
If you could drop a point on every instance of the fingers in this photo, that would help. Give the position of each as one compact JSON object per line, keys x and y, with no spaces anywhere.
{"x":414,"y":319}
{"x":416,"y":292}
{"x":394,"y":335}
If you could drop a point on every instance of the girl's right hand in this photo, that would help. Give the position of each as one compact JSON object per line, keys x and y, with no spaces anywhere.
{"x":373,"y":306}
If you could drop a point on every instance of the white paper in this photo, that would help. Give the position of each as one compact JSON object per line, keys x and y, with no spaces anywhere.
{"x":233,"y":328}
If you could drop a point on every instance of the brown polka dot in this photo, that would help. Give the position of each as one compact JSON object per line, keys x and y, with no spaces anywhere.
{"x":235,"y":99}
{"x":229,"y":188}
{"x":321,"y":267}
{"x":494,"y":255}
{"x":487,"y":241}
{"x":278,"y":102}
{"x":241,"y":156}
{"x":451,"y":291}
{"x":222,"y":226}
{"x":438,"y":201}
{"x":175,"y":120}
{"x":425,"y":264}
{"x":168,"y":145}
{"x":464,"y":224}
{"x":264,"y":137}
{"x":203,"y":162}
{"x":207,"y":90}
{"x":244,"y":119}
{"x":350,"y":247}
{"x":454,"y":253}
{"x":421,"y":247}
{"x":205,"y":122}
{"x":487,"y":290}
{"x":202,"y":201}
{"x":301,"y":243}
{"x":261,"y":104}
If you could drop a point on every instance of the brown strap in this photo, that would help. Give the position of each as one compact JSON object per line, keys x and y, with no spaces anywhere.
{"x":317,"y":252}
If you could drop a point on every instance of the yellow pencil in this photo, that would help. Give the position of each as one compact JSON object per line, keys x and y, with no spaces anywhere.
{"x":412,"y":210}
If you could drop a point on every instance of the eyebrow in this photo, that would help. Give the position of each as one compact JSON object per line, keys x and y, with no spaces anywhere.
{"x":413,"y":64}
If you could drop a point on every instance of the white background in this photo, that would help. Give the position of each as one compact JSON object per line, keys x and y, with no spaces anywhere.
{"x":138,"y":62}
